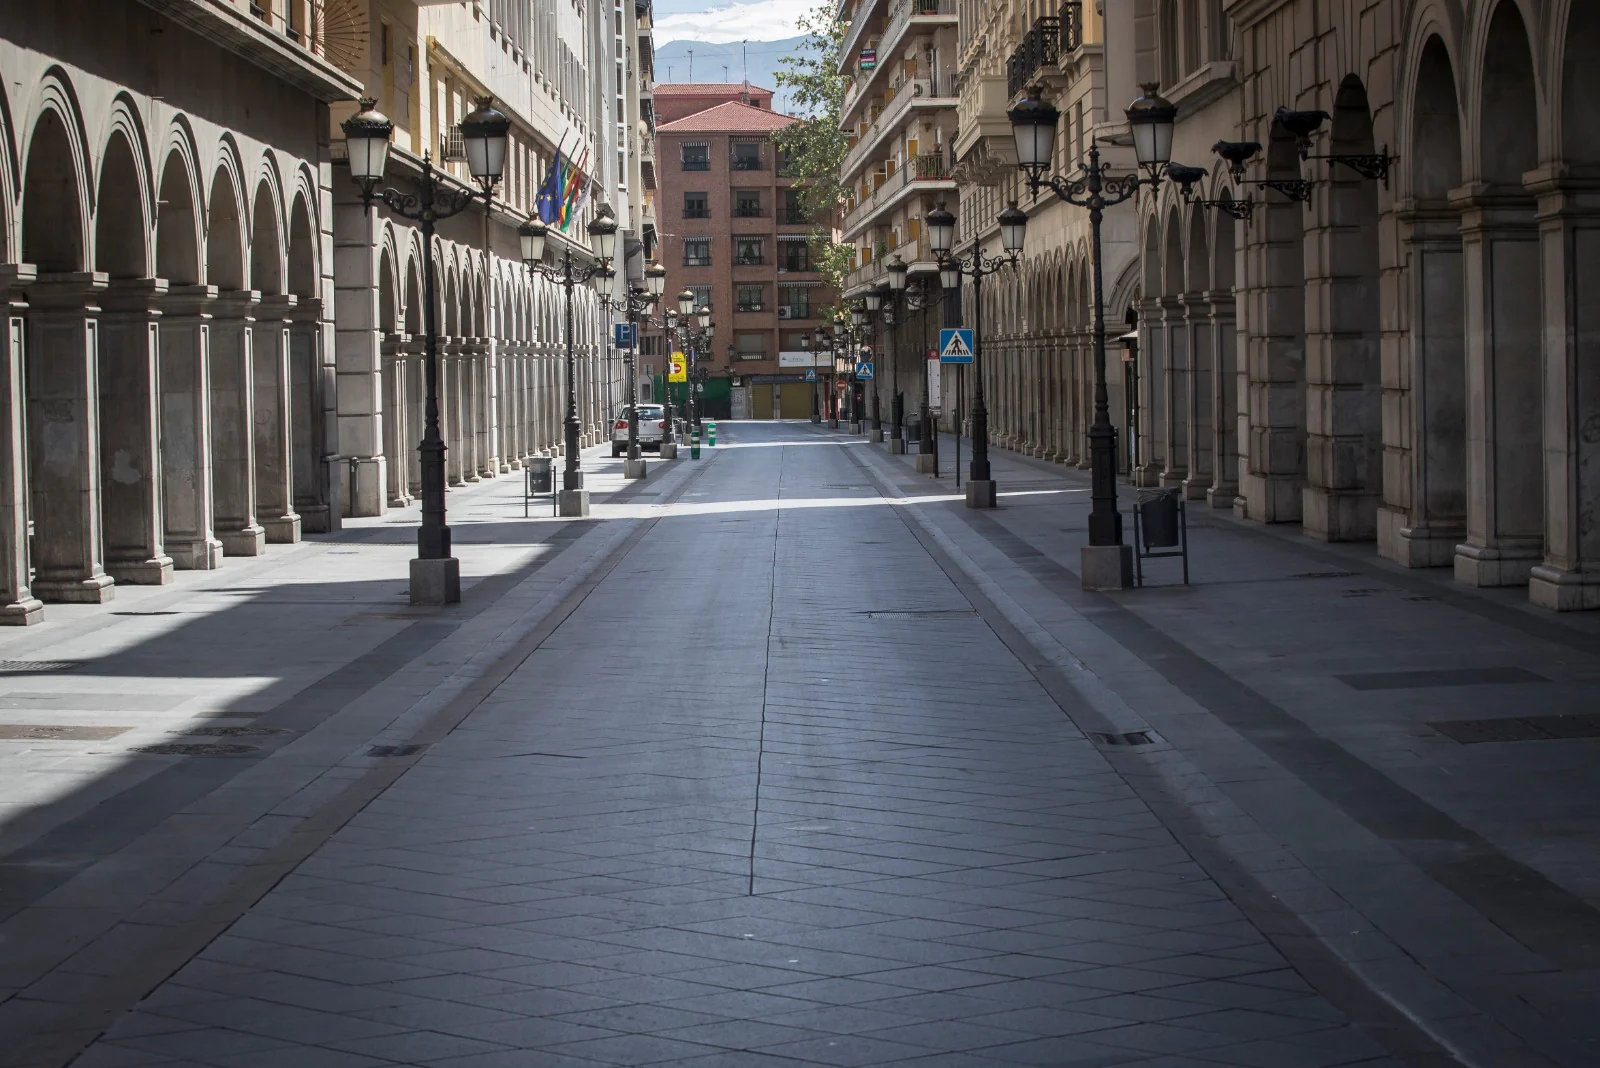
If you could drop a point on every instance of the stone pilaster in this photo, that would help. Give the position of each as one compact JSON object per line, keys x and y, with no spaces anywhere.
{"x":18,"y":606}
{"x":233,"y":448}
{"x":1200,"y":397}
{"x":130,"y":432}
{"x":270,"y":418}
{"x":64,"y":438}
{"x":357,"y":362}
{"x":1225,"y":399}
{"x":312,"y":426}
{"x":187,"y":498}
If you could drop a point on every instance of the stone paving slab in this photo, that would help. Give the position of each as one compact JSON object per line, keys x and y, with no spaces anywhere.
{"x":822,"y":815}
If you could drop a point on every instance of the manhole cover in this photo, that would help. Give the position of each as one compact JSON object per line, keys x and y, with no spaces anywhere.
{"x":194,"y":749}
{"x":1522,"y":729}
{"x":395,"y":750}
{"x":54,"y":732}
{"x":31,"y":667}
{"x":231,"y":732}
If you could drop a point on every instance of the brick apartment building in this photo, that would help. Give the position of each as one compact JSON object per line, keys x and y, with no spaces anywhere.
{"x":733,"y":232}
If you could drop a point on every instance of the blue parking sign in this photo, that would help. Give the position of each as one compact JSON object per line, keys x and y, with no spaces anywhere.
{"x":623,"y":332}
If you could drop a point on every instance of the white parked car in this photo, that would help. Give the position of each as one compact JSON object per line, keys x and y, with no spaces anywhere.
{"x":652,"y":428}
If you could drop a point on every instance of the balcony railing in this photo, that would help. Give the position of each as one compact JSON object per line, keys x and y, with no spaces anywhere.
{"x":696,"y":164}
{"x":927,"y":167}
{"x":749,"y":163}
{"x":452,"y":147}
{"x":697,"y":261}
{"x":697,"y":213}
{"x":941,"y":84}
{"x":749,"y":261}
{"x":747,"y":211}
{"x":795,"y":217}
{"x":1050,"y":37}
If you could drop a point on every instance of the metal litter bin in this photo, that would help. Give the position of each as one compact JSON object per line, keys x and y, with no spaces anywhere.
{"x":540,"y":478}
{"x":1160,"y":529}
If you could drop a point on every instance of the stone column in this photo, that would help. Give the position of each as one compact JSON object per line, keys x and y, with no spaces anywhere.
{"x":1272,"y":443}
{"x":471,"y":407}
{"x":1505,"y":389}
{"x":358,"y":363}
{"x":130,"y":432}
{"x":1424,"y":512}
{"x":1568,"y":579}
{"x":311,"y":463}
{"x":18,"y":606}
{"x":233,"y":461}
{"x":1224,"y":398}
{"x":396,"y":412}
{"x":1174,"y":412}
{"x":1201,"y":397}
{"x":187,"y":497}
{"x":269,"y":361}
{"x":1151,"y":399}
{"x":64,"y":438}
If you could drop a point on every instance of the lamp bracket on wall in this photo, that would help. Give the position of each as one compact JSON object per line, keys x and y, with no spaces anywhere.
{"x":1298,"y":189}
{"x":1373,"y":166}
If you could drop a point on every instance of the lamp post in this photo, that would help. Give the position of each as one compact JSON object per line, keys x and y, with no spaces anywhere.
{"x":818,"y":343}
{"x":435,"y":574}
{"x":976,"y":265}
{"x":639,"y":302}
{"x":1107,"y":562}
{"x":858,"y":321}
{"x":573,"y":499}
{"x":899,"y":272}
{"x":833,"y":372}
{"x":873,"y":299}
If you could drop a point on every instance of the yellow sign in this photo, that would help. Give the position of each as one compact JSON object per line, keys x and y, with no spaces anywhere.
{"x":677,"y":368}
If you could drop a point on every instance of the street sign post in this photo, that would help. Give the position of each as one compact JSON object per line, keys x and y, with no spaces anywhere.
{"x":623,"y":334}
{"x":677,"y":368}
{"x":864,"y":370}
{"x":811,"y":374}
{"x":955,"y":345}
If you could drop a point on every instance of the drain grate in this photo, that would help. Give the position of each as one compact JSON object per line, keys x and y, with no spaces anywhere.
{"x":395,"y":750}
{"x":231,"y":732}
{"x":54,"y":732}
{"x":1324,"y":574}
{"x":37,"y":667}
{"x":194,"y":749}
{"x":1522,"y":729}
{"x":1125,"y":738}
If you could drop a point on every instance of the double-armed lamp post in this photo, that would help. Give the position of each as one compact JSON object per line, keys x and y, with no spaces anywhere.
{"x":1107,"y":562}
{"x":889,"y":298}
{"x":637,"y":304}
{"x":976,"y":265}
{"x":567,"y":273}
{"x":435,"y":574}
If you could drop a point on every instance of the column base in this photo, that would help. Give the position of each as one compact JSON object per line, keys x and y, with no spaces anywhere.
{"x":156,"y":571}
{"x":925,"y":463}
{"x":1418,"y":546}
{"x":195,"y":555}
{"x":436,"y":582}
{"x":633,"y":468}
{"x":877,"y":436}
{"x":1197,"y":489}
{"x":573,"y":504}
{"x":1336,"y":515}
{"x":251,"y":541}
{"x":855,"y":427}
{"x":402,"y":501}
{"x":1482,"y":566}
{"x":284,"y":530}
{"x":95,"y":590}
{"x":669,"y":450}
{"x":471,"y":476}
{"x":24,"y":613}
{"x":897,"y":446}
{"x":833,"y":424}
{"x":1221,"y":495}
{"x":1564,"y":591}
{"x":1106,"y":567}
{"x":981,"y":493}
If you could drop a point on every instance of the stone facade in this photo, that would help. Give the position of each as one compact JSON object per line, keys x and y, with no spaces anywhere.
{"x":1407,"y":360}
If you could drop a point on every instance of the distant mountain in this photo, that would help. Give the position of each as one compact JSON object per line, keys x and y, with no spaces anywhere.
{"x":727,"y":63}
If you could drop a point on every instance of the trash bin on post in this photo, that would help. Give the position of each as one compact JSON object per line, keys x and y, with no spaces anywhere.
{"x":1160,"y":529}
{"x":540,"y":479}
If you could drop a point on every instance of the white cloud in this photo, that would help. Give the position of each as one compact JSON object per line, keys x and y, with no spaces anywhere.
{"x":729,"y":23}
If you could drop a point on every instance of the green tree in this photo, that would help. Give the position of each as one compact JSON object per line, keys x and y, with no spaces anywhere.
{"x":815,"y":146}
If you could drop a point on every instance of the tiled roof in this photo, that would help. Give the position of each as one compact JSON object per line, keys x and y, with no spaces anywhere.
{"x":702,"y":88}
{"x":732,"y":117}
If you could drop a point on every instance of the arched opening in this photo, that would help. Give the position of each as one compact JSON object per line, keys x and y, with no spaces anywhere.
{"x":306,"y":432}
{"x":1147,"y":384}
{"x":1274,"y":455}
{"x":266,"y":243}
{"x":232,"y":439}
{"x":62,"y":410}
{"x":224,"y":239}
{"x":177,"y":225}
{"x":1425,"y":485}
{"x":1344,"y":383}
{"x":414,"y":370}
{"x":1202,"y":379}
{"x":120,"y":225}
{"x":1504,"y":322}
{"x":1230,"y":383}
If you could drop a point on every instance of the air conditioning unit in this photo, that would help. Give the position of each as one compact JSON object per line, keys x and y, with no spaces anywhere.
{"x":784,"y":312}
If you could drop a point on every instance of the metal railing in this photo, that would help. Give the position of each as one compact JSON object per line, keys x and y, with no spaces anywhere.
{"x":697,"y":213}
{"x":749,"y":261}
{"x":926,"y":167}
{"x":940,"y":85}
{"x":748,"y":163}
{"x":1050,"y":37}
{"x":795,"y":217}
{"x":452,"y":147}
{"x":696,"y":164}
{"x":747,"y":211}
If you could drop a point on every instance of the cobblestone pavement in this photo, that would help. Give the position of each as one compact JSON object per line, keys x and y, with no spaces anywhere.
{"x":791,"y":760}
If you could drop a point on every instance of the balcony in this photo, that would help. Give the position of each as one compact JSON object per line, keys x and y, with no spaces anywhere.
{"x":936,"y":91}
{"x":323,"y":61}
{"x":794,"y":311}
{"x":902,"y":17}
{"x":748,"y":211}
{"x":794,"y":217}
{"x":1050,"y":37}
{"x":750,"y":306}
{"x":748,"y":163}
{"x":748,"y":261}
{"x":697,"y":261}
{"x":929,"y":170}
{"x":697,"y":213}
{"x":916,"y":250}
{"x":697,"y":165}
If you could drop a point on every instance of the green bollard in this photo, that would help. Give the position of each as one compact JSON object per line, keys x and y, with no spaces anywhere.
{"x":711,"y":434}
{"x":694,"y":444}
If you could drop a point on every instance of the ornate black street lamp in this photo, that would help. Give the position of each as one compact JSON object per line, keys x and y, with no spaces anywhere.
{"x":1107,"y":563}
{"x":873,"y":299}
{"x":574,"y":499}
{"x":435,"y":574}
{"x":899,"y":272}
{"x":976,"y":264}
{"x":639,"y":301}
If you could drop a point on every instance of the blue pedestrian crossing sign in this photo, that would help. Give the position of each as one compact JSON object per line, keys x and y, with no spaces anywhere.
{"x":955,"y":345}
{"x":623,"y":333}
{"x":863,"y":370}
{"x":811,"y":374}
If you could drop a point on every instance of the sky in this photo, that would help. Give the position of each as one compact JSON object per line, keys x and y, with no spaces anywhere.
{"x":700,"y":20}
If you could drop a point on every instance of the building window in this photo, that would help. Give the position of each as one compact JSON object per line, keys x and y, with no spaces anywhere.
{"x":796,"y":255}
{"x":750,"y":346}
{"x":784,"y":167}
{"x":794,"y":302}
{"x":751,"y":298}
{"x":697,"y":252}
{"x":702,"y":296}
{"x":794,"y":212}
{"x":747,"y":252}
{"x":747,"y":155}
{"x":747,"y":204}
{"x":696,"y":157}
{"x":696,"y":206}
